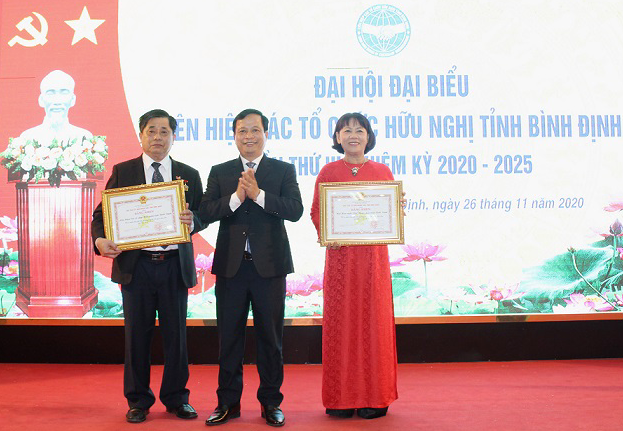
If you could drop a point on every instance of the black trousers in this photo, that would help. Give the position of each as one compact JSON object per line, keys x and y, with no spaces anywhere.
{"x":266,"y":296}
{"x":155,"y":286}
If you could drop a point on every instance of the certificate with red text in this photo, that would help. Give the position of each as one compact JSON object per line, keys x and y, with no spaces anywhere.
{"x":144,"y":216}
{"x":361,"y":213}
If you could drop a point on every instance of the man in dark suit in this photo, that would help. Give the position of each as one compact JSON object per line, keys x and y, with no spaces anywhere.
{"x":251,"y":196}
{"x":156,"y":278}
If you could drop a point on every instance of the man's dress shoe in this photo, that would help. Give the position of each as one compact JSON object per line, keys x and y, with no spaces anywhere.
{"x":184,"y":411}
{"x":223,"y":413}
{"x":136,"y":415}
{"x":273,"y":415}
{"x":371,"y":413}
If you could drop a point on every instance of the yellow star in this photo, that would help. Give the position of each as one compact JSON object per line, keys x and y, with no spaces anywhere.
{"x":84,"y":27}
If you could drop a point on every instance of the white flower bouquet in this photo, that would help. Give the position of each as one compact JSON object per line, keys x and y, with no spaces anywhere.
{"x":34,"y":160}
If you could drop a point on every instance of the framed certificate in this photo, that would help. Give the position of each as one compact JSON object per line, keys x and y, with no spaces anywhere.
{"x":145,"y":216}
{"x":361,"y":213}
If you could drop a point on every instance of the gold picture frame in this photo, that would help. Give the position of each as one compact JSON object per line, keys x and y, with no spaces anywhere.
{"x":361,"y":213}
{"x":147,"y":215}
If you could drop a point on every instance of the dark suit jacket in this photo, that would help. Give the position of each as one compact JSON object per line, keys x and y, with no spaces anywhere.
{"x":264,"y":228}
{"x":132,"y":173}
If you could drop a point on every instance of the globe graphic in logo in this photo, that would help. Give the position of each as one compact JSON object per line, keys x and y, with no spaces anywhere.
{"x":383,"y":30}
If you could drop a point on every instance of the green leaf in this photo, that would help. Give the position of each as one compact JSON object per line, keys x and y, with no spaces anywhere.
{"x":614,"y":281}
{"x":8,"y":254}
{"x":402,"y":283}
{"x":557,"y":278}
{"x":7,"y":301}
{"x":464,"y":307}
{"x":203,"y":311}
{"x":409,"y":305}
{"x":107,"y":309}
{"x":9,"y":284}
{"x":511,"y":306}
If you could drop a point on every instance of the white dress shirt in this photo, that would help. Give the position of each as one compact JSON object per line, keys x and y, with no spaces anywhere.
{"x":167,"y":174}
{"x":234,"y":202}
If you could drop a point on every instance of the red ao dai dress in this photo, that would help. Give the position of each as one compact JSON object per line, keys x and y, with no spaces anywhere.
{"x":358,"y":332}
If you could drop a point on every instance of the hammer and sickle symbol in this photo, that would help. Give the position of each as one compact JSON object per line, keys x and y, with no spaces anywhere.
{"x":38,"y":36}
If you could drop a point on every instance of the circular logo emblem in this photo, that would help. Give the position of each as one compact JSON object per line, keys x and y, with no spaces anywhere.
{"x":383,"y":30}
